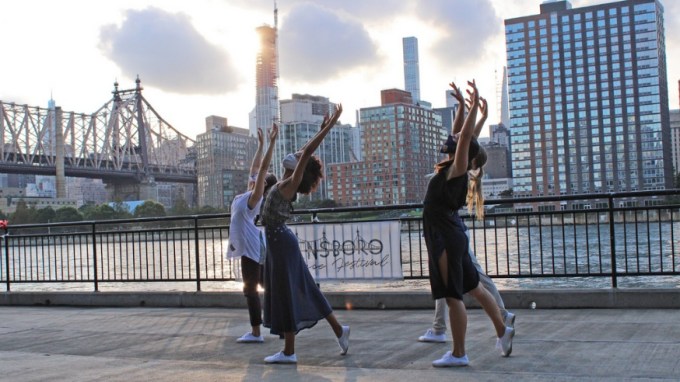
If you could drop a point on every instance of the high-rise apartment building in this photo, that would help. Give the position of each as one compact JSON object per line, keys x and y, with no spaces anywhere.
{"x":675,"y":140}
{"x":223,"y":158}
{"x":301,"y":118}
{"x":411,"y":67}
{"x":266,"y":77}
{"x":401,"y":143}
{"x":589,"y":99}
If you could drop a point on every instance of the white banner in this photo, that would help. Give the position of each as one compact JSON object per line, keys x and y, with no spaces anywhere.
{"x":351,"y":251}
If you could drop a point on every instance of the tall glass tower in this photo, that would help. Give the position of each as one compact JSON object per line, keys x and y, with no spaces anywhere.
{"x":411,"y":70}
{"x":589,"y":99}
{"x":266,"y":77}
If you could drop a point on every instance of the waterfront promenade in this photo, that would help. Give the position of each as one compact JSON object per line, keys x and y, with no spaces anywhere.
{"x":81,"y":343}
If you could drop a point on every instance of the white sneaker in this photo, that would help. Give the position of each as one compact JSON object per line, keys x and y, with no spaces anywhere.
{"x":510,"y":319}
{"x":431,"y":336}
{"x":281,"y":358}
{"x":504,"y":344}
{"x":449,"y":360}
{"x":343,"y":340}
{"x":249,"y":338}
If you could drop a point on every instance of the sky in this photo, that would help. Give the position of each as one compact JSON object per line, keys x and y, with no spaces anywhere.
{"x":197,"y":58}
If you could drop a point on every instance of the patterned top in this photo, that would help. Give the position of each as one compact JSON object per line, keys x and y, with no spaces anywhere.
{"x":277,"y":209}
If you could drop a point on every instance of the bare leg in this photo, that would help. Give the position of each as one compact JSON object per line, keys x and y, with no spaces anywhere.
{"x":289,"y":343}
{"x":255,"y":330}
{"x":335,"y":325}
{"x":457,"y":312}
{"x":490,"y":307}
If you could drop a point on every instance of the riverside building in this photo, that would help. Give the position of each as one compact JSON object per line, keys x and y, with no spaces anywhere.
{"x":401,"y":143}
{"x":589,"y":99}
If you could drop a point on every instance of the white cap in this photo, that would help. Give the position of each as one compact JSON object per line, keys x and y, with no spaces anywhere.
{"x":290,"y":161}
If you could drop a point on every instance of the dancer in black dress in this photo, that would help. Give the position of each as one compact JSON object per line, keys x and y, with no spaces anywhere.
{"x":292,"y":300}
{"x":452,"y":273}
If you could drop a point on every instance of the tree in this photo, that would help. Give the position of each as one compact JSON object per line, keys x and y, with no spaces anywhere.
{"x":68,"y":214}
{"x":149,"y":209}
{"x":121,"y":211}
{"x":44,"y":215}
{"x":180,"y":207}
{"x":208,"y":210}
{"x":22,"y":214}
{"x":101,"y":212}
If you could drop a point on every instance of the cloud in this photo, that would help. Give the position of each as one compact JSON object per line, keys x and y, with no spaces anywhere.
{"x":467,"y":25}
{"x":316,"y":44}
{"x":367,"y":10}
{"x":167,"y":52}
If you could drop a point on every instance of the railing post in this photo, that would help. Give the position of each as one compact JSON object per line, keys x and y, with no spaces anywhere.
{"x":198,"y":262}
{"x":94,"y":257}
{"x":612,"y":240}
{"x":5,"y":244}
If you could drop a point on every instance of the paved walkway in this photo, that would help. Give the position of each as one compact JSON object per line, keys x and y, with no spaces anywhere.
{"x":198,"y":344}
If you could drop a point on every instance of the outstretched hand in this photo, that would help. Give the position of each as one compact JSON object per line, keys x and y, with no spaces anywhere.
{"x":333,"y":118}
{"x":474,"y":93}
{"x":483,"y":107}
{"x":273,"y":132}
{"x":456,"y":93}
{"x":260,"y":137}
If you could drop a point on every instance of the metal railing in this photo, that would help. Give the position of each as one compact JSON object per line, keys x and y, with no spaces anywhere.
{"x":519,"y":238}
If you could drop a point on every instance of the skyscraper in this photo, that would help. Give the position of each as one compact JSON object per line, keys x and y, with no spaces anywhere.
{"x":400,"y":144}
{"x":301,"y":119}
{"x":224,"y":156}
{"x":266,"y":77}
{"x":411,"y":69}
{"x":589,"y":99}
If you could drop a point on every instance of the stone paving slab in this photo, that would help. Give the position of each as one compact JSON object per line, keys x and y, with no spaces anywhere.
{"x":198,"y":344}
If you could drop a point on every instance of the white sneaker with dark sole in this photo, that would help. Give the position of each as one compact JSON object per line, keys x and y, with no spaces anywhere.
{"x":343,"y":340}
{"x":281,"y":358}
{"x":249,"y":338}
{"x":449,"y":360}
{"x":504,"y":344}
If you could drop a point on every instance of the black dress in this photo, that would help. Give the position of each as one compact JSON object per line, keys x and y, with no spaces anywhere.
{"x":444,"y":230}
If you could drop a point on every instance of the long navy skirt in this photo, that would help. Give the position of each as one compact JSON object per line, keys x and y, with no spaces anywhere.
{"x":292,"y":301}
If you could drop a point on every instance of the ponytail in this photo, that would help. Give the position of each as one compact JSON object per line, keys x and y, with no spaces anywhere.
{"x":475,"y":196}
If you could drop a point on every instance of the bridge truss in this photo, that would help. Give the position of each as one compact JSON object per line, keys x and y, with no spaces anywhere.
{"x":124,"y":140}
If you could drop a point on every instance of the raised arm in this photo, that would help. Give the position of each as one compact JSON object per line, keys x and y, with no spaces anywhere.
{"x":299,"y":152}
{"x":460,"y":161}
{"x":257,"y":159}
{"x":460,"y":113}
{"x":289,"y":187}
{"x":255,"y":197}
{"x":484,"y":109}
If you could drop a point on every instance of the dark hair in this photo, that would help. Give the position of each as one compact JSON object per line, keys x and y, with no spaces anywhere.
{"x":313,"y":173}
{"x":269,"y":181}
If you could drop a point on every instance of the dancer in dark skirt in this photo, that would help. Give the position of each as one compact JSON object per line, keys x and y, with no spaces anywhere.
{"x":292,"y":300}
{"x":452,"y":273}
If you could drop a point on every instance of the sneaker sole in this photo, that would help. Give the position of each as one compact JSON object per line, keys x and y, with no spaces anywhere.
{"x":431,"y":341}
{"x":451,"y":365}
{"x":344,"y":351}
{"x":510,"y":348}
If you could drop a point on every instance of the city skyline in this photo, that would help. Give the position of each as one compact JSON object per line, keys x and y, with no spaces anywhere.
{"x":197,"y":59}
